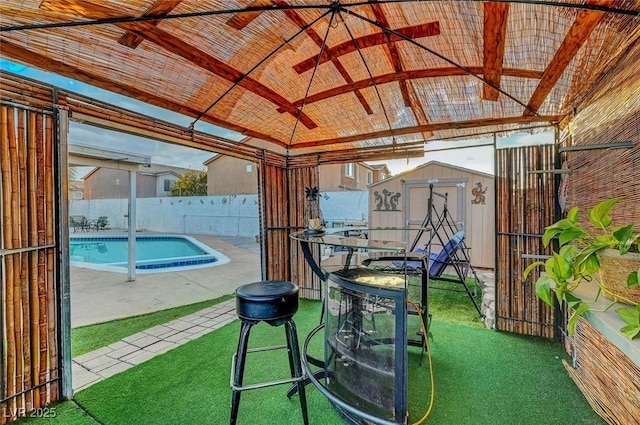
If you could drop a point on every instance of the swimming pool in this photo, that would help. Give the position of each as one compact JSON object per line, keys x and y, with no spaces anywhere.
{"x":154,"y":253}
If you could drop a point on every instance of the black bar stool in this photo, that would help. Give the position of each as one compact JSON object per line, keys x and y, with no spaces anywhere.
{"x":273,"y":302}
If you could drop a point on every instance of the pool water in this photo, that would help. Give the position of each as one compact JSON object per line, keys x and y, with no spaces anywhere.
{"x":153,"y":253}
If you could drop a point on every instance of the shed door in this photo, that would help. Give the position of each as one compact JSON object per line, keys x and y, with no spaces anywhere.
{"x":416,"y":195}
{"x":525,"y":205}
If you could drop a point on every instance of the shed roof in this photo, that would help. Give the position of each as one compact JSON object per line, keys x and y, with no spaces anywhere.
{"x":404,"y":174}
{"x":311,"y":75}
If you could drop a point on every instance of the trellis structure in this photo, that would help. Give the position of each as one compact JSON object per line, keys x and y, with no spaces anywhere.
{"x":311,"y":82}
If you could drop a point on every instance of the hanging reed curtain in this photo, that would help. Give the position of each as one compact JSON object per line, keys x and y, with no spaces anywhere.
{"x":612,"y":117}
{"x":282,"y":202}
{"x":526,"y":202}
{"x":30,"y":376}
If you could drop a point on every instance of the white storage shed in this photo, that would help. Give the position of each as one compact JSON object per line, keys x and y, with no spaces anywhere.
{"x":402,"y":201}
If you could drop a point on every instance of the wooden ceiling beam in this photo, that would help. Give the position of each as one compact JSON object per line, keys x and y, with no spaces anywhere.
{"x":376,"y":39}
{"x":430,"y":128}
{"x":495,"y":28}
{"x":313,"y":35}
{"x":394,"y":54}
{"x":406,"y":90}
{"x":356,"y":155}
{"x":584,"y":24}
{"x":178,"y":47}
{"x":410,"y":75}
{"x":159,"y":8}
{"x":22,"y":55}
{"x":241,"y":20}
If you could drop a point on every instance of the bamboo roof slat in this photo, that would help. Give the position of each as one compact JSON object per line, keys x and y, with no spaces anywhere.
{"x":312,"y":75}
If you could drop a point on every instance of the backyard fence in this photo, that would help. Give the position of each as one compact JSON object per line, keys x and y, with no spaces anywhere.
{"x":222,"y":215}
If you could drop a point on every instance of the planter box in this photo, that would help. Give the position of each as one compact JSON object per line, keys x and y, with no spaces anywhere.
{"x":614,"y":269}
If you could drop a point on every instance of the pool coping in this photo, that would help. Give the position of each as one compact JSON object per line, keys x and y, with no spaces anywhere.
{"x":121,"y":267}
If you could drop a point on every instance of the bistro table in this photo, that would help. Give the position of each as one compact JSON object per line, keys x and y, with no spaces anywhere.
{"x":365,"y":309}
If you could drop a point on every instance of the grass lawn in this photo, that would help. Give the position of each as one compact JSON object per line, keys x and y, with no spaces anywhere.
{"x":481,"y":377}
{"x":88,"y":338}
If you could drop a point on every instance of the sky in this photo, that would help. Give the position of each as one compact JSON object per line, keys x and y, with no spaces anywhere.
{"x":479,"y":158}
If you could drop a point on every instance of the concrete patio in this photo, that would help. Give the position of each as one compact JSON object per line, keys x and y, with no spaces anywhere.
{"x":98,"y":296}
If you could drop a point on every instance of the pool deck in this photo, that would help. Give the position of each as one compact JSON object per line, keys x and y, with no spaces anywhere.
{"x":98,"y":296}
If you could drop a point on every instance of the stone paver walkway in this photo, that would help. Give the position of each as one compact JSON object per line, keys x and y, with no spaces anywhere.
{"x":102,"y":363}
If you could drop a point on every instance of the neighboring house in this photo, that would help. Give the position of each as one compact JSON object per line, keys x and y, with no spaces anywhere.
{"x":151,"y":182}
{"x":227,"y":175}
{"x":232,"y":176}
{"x":76,"y":189}
{"x":380,"y":172}
{"x":350,"y":176}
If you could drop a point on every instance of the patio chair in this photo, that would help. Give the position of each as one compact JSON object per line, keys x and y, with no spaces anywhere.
{"x":102,"y":223}
{"x":452,"y":254}
{"x":78,"y":222}
{"x":438,"y":261}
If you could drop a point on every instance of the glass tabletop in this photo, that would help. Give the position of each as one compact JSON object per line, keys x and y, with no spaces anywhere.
{"x":354,"y":237}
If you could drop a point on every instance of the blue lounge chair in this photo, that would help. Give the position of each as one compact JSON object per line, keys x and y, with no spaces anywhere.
{"x":438,"y":261}
{"x":436,"y":264}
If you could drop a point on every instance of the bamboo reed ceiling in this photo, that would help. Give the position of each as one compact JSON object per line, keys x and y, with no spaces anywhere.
{"x":313,"y":76}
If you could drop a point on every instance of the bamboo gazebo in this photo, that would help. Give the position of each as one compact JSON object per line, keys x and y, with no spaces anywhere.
{"x":311,"y":82}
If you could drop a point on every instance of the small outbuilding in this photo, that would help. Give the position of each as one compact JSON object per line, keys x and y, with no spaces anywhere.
{"x":402,"y":201}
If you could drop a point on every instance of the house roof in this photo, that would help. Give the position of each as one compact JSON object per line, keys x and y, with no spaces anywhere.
{"x":311,"y":76}
{"x":160,"y":173}
{"x":159,"y":169}
{"x":379,"y":167}
{"x":210,"y":160}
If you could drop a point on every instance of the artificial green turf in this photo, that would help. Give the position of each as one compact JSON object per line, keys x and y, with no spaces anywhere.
{"x":482,"y":377}
{"x":452,"y":304}
{"x":88,"y":338}
{"x":65,"y":413}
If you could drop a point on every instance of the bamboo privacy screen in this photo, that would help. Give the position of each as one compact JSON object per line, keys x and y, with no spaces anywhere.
{"x":612,"y":117}
{"x":283,"y":201}
{"x":526,"y":204}
{"x":29,"y":352}
{"x":609,"y":380}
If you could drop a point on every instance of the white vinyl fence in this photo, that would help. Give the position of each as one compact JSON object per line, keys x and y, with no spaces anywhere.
{"x":230,"y":215}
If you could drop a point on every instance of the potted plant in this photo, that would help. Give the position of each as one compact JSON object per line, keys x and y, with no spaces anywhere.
{"x":580,"y":260}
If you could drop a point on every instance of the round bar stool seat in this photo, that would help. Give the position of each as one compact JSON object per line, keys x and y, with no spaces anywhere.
{"x":275,"y":303}
{"x":270,"y":301}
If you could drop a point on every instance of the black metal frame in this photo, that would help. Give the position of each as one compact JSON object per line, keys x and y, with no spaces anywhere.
{"x":238,"y":363}
{"x":459,"y":258}
{"x":320,"y":376}
{"x":399,"y":296}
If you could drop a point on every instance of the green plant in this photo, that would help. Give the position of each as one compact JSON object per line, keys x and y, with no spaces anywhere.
{"x":578,"y":260}
{"x":191,"y":183}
